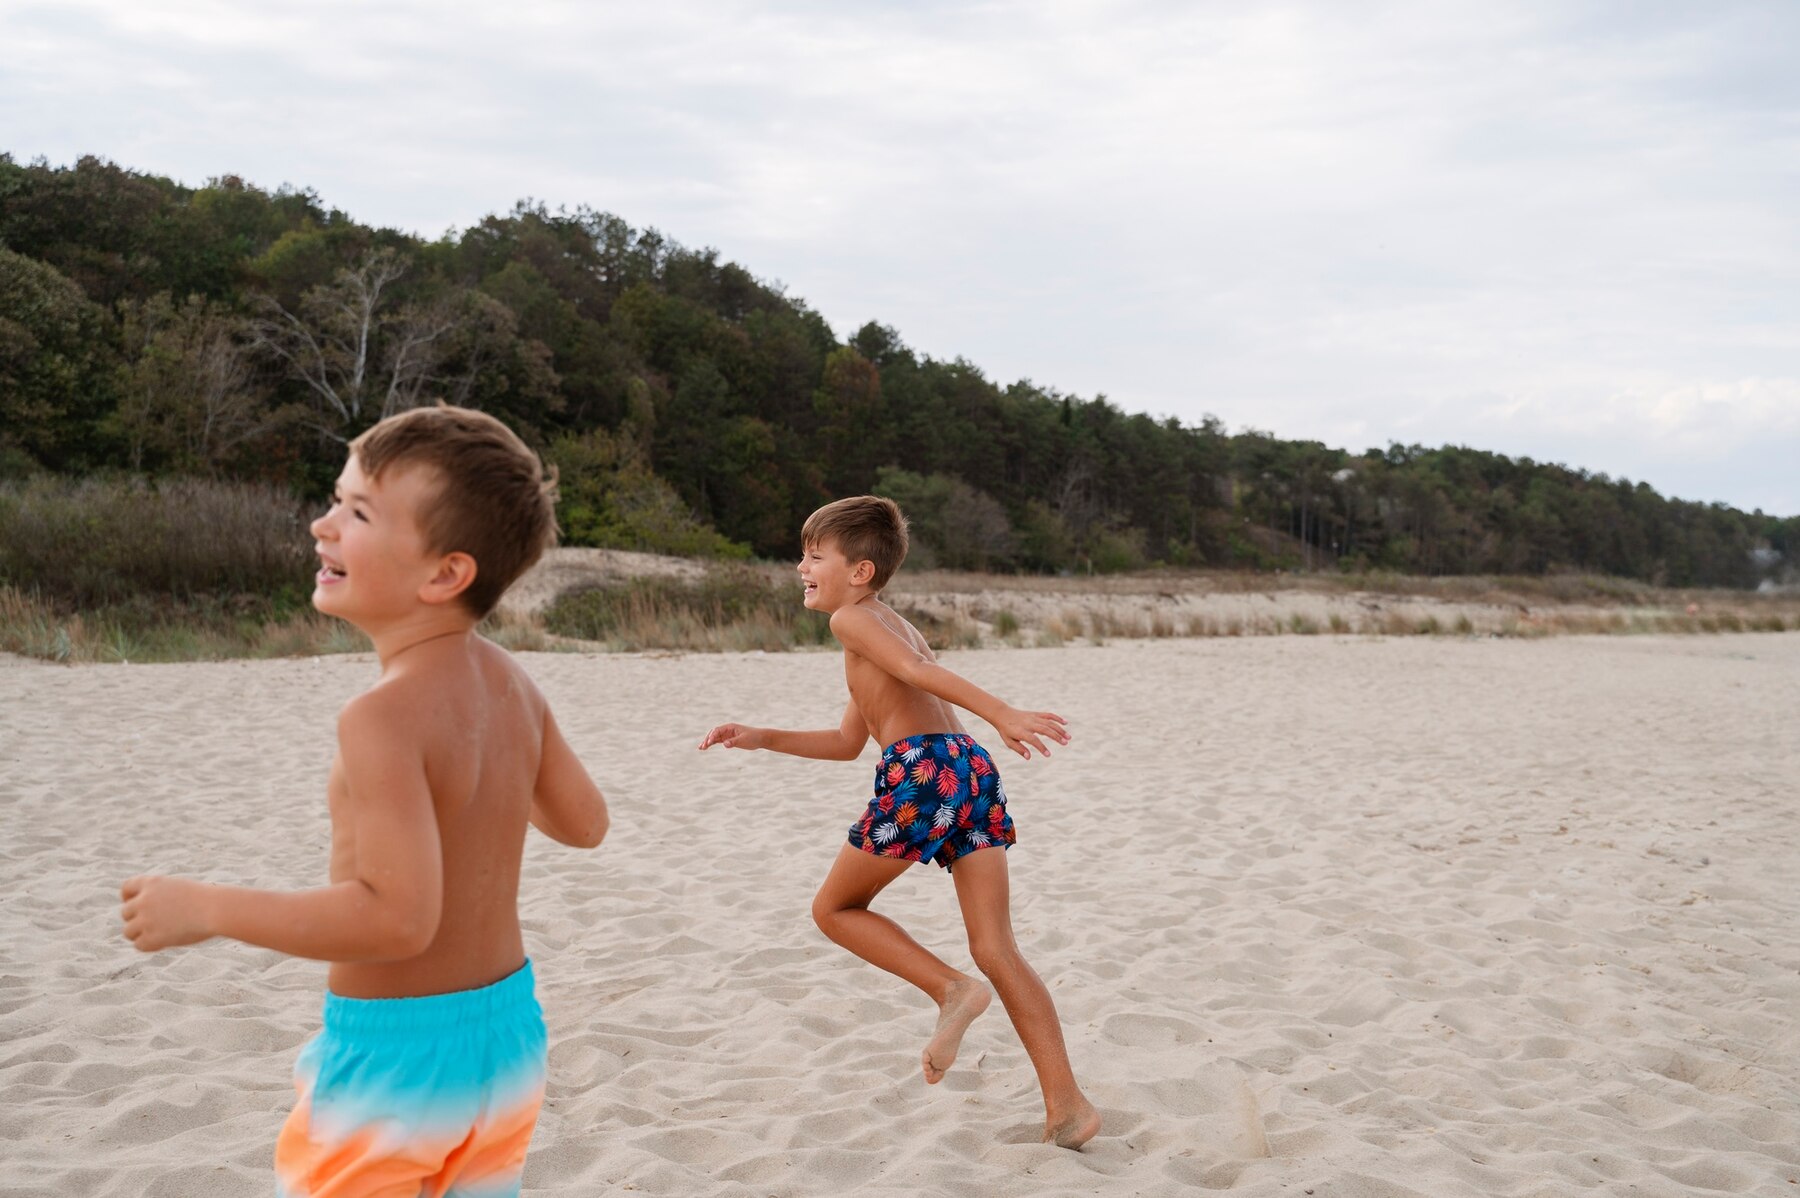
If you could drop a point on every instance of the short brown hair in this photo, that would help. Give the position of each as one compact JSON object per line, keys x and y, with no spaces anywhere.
{"x":495,"y":501}
{"x":866,"y":528}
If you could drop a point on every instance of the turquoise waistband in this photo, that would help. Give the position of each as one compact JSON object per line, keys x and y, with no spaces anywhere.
{"x":429,"y":1013}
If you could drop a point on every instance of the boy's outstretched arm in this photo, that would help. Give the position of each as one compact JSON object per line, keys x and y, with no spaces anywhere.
{"x":389,"y":911}
{"x":566,"y":806}
{"x":842,"y":743}
{"x":861,"y":631}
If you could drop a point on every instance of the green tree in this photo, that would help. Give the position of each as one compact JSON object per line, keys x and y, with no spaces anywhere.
{"x":55,"y":365}
{"x":190,"y":396}
{"x":951,"y":524}
{"x":608,"y":497}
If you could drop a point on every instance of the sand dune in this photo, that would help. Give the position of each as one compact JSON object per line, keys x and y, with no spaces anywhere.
{"x":1351,"y":917}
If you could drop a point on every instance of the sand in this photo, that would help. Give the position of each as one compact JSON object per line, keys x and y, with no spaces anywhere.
{"x":1345,"y":917}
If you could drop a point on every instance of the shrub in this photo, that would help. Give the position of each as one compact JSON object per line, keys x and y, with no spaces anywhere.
{"x":1115,"y":550}
{"x":609,"y":498}
{"x":96,"y":541}
{"x":727,"y":607}
{"x":152,"y":628}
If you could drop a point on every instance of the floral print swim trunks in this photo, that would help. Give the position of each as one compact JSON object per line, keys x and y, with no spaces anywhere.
{"x":937,"y":797}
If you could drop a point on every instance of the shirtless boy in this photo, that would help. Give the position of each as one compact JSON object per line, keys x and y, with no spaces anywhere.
{"x":937,"y":798}
{"x":429,"y":1071}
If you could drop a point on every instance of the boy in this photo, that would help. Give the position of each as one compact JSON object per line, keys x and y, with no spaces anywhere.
{"x":937,"y":798}
{"x":429,"y":1072}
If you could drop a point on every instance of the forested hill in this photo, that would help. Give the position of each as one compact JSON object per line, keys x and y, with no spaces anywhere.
{"x":234,"y":332}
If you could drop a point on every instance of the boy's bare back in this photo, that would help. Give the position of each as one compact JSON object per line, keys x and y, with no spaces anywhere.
{"x":466,"y":731}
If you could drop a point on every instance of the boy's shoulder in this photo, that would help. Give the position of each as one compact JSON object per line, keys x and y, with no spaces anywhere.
{"x":388,"y":707}
{"x":874,"y":618}
{"x":878,"y":635}
{"x":476,"y":667}
{"x":873,"y":612}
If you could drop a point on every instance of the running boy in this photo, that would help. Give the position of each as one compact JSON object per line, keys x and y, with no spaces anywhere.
{"x":429,"y":1072}
{"x":937,"y":798}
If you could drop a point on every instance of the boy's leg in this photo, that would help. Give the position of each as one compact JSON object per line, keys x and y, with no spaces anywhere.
{"x":841,"y":909}
{"x":983,"y":890}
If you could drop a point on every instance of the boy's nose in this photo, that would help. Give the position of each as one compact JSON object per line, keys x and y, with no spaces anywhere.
{"x":318,"y":527}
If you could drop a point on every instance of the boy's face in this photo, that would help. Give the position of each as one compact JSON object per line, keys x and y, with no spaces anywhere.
{"x":828,"y":579}
{"x":372,"y":555}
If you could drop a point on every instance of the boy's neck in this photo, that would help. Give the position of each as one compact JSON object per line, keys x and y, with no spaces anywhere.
{"x":430,"y":624}
{"x":865,"y":597}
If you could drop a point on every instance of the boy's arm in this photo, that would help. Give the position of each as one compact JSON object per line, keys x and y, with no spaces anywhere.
{"x":862,"y":632}
{"x":389,"y":911}
{"x":566,"y":806}
{"x":842,"y":743}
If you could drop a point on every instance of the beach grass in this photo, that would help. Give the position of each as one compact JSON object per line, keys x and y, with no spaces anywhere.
{"x":120,"y":569}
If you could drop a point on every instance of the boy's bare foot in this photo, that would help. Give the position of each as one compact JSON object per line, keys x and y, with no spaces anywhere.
{"x":963,"y":1001}
{"x":1075,"y":1128}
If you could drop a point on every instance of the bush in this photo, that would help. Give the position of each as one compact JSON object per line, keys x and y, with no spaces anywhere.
{"x":1116,"y":550}
{"x":160,"y":628}
{"x":98,"y":541}
{"x":609,"y":498}
{"x":728,"y":607}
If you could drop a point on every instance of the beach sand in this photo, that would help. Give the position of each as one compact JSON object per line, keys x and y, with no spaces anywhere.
{"x":1345,"y":917}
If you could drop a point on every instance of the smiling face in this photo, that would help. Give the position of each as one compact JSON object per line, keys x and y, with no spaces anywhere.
{"x":828,"y":579}
{"x":373,"y":559}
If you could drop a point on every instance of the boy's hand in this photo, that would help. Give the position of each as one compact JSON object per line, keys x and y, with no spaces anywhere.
{"x":163,"y":912}
{"x":1020,"y":728}
{"x":733,"y":736}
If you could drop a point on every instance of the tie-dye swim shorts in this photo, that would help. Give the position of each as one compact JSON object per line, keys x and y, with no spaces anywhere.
{"x":937,"y":797}
{"x":434,"y":1096}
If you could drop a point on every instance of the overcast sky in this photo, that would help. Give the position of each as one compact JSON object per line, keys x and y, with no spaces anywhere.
{"x":1563,"y":230}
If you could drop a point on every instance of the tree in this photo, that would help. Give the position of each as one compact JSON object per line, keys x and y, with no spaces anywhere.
{"x":363,"y":353}
{"x":55,"y":365}
{"x":610,"y":498}
{"x":851,"y":421}
{"x":952,"y":525}
{"x":191,"y":396}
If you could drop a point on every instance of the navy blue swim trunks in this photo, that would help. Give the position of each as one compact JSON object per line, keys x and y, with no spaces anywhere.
{"x":937,"y":797}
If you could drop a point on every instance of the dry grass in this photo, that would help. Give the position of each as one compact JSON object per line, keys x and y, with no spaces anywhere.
{"x":144,"y":631}
{"x":742,"y":607}
{"x":1049,"y":611}
{"x":93,"y":542}
{"x":733,"y":608}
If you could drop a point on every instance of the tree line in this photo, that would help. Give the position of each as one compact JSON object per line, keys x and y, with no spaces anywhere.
{"x":240,"y":333}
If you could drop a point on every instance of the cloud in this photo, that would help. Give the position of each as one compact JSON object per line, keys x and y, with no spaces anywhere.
{"x":1565,"y":227}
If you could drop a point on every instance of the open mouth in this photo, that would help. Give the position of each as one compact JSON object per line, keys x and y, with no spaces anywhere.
{"x":329,"y":573}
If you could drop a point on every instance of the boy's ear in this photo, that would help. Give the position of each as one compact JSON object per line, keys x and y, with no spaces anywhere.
{"x":863,"y":573}
{"x":454,"y":574}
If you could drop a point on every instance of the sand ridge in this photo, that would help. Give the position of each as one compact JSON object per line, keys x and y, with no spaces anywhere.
{"x":1375,"y":917}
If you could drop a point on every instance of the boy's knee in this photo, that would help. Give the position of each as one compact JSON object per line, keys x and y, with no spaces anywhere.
{"x":822,"y":911}
{"x":993,"y":957}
